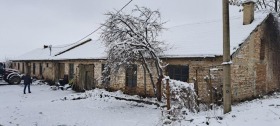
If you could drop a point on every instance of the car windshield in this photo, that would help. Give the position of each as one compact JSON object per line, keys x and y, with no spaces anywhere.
{"x":1,"y":68}
{"x":1,"y":65}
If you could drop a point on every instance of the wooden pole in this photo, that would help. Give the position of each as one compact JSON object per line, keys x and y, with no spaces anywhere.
{"x":159,"y":94}
{"x":196,"y":86}
{"x":196,"y":83}
{"x":168,"y":94}
{"x":226,"y":58}
{"x":211,"y":90}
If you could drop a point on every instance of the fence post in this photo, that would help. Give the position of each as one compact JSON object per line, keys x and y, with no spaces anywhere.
{"x":168,"y":94}
{"x":159,"y":94}
{"x":211,"y":87}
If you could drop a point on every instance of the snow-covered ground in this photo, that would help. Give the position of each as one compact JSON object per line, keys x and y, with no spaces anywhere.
{"x":259,"y":112}
{"x":46,"y":107}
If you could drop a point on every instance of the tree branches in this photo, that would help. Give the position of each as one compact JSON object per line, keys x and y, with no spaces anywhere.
{"x":271,"y":6}
{"x":133,"y":38}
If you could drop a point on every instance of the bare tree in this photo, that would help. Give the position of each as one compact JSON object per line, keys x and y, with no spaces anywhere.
{"x":272,"y":6}
{"x":8,"y":63}
{"x":133,"y":38}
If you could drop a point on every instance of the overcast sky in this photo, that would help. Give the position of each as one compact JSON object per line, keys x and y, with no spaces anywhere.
{"x":29,"y":24}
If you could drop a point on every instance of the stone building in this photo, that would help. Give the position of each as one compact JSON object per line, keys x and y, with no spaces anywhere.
{"x":195,"y":57}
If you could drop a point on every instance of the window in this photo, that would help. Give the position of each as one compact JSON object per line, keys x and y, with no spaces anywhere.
{"x":1,"y":68}
{"x":178,"y":72}
{"x":1,"y":65}
{"x":131,"y":76}
{"x":71,"y":71}
{"x":47,"y":65}
{"x":18,"y":66}
{"x":34,"y":68}
{"x":107,"y":81}
{"x":23,"y":70}
{"x":41,"y":69}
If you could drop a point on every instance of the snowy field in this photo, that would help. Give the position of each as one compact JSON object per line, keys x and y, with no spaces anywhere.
{"x":46,"y":107}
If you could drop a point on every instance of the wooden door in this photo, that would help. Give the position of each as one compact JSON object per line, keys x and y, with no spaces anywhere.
{"x":86,"y":76}
{"x":131,"y":79}
{"x":61,"y":70}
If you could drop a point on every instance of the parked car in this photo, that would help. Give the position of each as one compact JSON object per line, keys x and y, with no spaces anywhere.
{"x":11,"y":76}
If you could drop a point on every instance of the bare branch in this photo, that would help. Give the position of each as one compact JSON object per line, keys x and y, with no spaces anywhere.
{"x":132,"y":38}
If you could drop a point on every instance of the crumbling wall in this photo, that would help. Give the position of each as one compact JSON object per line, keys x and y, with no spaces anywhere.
{"x":255,"y":68}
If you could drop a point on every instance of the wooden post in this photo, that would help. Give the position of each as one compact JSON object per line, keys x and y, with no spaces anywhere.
{"x":196,"y":85}
{"x":168,"y":94}
{"x":211,"y":90}
{"x":196,"y":82}
{"x":159,"y":94}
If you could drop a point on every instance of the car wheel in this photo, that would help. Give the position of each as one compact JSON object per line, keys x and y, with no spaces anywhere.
{"x":14,"y":80}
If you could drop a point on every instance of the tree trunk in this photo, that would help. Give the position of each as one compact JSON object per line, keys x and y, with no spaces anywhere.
{"x":150,"y":74}
{"x":264,"y":4}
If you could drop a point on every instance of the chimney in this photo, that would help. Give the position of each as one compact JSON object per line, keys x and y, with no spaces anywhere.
{"x":248,"y":12}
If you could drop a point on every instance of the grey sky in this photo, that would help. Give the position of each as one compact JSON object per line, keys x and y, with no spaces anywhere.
{"x":29,"y":24}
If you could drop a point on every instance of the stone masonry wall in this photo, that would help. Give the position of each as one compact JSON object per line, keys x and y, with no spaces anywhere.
{"x":47,"y":68}
{"x":255,"y":68}
{"x":199,"y":68}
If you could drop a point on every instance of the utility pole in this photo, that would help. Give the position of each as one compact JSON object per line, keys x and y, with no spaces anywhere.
{"x":226,"y":59}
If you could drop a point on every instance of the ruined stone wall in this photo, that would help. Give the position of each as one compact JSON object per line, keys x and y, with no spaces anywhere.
{"x":255,"y":68}
{"x":27,"y":66}
{"x":254,"y":72}
{"x":143,"y":88}
{"x":199,"y":68}
{"x":76,"y":63}
{"x":48,"y":70}
{"x":117,"y":81}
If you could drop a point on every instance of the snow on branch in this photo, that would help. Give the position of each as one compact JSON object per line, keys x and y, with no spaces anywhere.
{"x":270,"y":6}
{"x":183,"y":99}
{"x":132,"y":38}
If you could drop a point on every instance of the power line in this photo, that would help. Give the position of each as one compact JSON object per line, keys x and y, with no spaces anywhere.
{"x":204,"y":22}
{"x":97,"y":28}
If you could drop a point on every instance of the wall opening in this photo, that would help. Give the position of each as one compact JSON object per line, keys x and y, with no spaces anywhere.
{"x":131,"y":76}
{"x":178,"y":72}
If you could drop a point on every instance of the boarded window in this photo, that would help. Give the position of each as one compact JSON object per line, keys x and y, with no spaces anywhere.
{"x":178,"y":72}
{"x":23,"y":70}
{"x":34,"y":68}
{"x":131,"y":76}
{"x":71,"y":71}
{"x":41,"y":69}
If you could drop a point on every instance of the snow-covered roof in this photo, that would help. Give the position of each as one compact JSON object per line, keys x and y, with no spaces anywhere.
{"x":205,"y":38}
{"x":201,"y":37}
{"x":40,"y":54}
{"x":90,"y":50}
